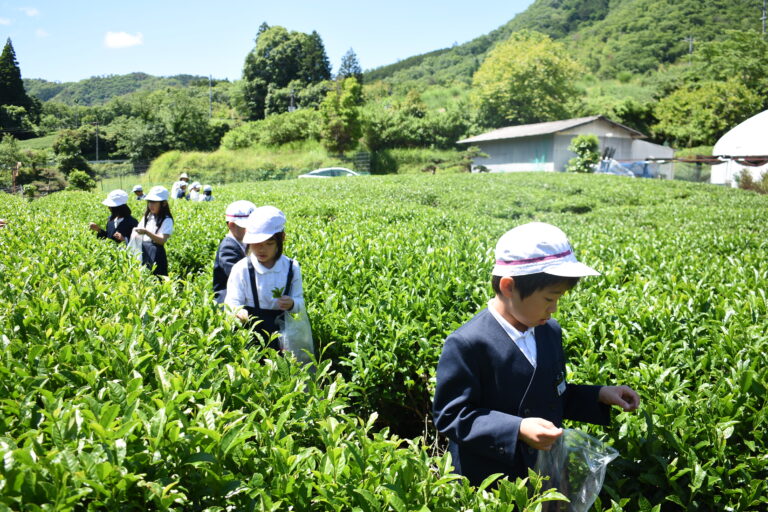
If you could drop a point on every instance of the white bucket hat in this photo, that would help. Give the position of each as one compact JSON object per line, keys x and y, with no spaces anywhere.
{"x":116,"y":198}
{"x":537,"y":247}
{"x":138,"y":188}
{"x":195,"y":184}
{"x":239,"y":211}
{"x":183,"y":176}
{"x":157,"y":193}
{"x":262,"y":223}
{"x":207,"y":188}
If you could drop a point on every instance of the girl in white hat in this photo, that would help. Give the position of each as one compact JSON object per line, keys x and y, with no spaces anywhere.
{"x":154,"y":229}
{"x":207,"y":193}
{"x":120,"y":222}
{"x":265,"y":284}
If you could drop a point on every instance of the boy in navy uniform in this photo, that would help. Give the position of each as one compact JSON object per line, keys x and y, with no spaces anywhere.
{"x":231,"y":248}
{"x":501,"y":393}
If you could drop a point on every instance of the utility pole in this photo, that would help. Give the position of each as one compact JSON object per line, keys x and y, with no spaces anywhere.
{"x":292,"y":105}
{"x":97,"y":140}
{"x":763,"y":18}
{"x":210,"y":96}
{"x":690,"y":46}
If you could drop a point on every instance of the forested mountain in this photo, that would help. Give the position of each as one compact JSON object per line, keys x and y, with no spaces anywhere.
{"x":608,"y":36}
{"x":100,"y":89}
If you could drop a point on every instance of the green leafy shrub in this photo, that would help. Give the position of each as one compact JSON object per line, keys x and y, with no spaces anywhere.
{"x":587,"y":154}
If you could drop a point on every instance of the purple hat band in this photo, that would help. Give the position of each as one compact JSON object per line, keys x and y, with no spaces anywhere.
{"x":535,"y":260}
{"x":238,"y":216}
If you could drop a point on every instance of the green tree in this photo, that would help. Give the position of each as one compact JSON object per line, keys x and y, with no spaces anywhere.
{"x":350,"y":67}
{"x":79,"y":180}
{"x":587,"y":149}
{"x":19,"y":110}
{"x":279,"y":58}
{"x":341,"y":126}
{"x":698,"y":114}
{"x":740,"y":56}
{"x":69,"y":155}
{"x":526,"y":79}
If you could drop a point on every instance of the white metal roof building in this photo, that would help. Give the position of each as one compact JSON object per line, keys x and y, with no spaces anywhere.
{"x":748,"y":139}
{"x":544,"y":146}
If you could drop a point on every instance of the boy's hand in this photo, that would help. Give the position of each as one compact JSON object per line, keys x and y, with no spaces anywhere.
{"x":539,"y":433}
{"x":94,"y":226}
{"x":285,"y":302}
{"x":622,"y":396}
{"x":242,"y":315}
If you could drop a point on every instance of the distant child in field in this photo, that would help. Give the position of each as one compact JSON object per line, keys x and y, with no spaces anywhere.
{"x":231,"y":248}
{"x":154,"y":229}
{"x":501,"y":393}
{"x":138,"y":191}
{"x":265,"y":284}
{"x":194,"y":191}
{"x":120,"y":223}
{"x":183,"y":178}
{"x":207,"y":193}
{"x":3,"y":223}
{"x":181,"y":191}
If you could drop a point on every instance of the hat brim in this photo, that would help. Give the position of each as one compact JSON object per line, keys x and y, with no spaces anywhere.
{"x":152,"y":197}
{"x":256,"y":238}
{"x":111,"y":203}
{"x":239,"y":221}
{"x":561,"y":269}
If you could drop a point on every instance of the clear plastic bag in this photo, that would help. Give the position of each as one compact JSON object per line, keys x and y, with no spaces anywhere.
{"x":134,"y":246}
{"x":576,"y":467}
{"x":296,"y":335}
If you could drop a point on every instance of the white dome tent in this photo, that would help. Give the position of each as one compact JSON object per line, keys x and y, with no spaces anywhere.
{"x":748,"y":139}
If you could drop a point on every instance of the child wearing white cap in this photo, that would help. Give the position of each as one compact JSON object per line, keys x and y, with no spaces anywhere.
{"x":154,"y":229}
{"x":501,"y":393}
{"x":120,"y":222}
{"x":207,"y":194}
{"x":265,"y":284}
{"x":231,"y":248}
{"x":138,"y":191}
{"x":194,"y":191}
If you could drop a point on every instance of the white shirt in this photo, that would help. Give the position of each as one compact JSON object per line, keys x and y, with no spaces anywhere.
{"x":525,"y":341}
{"x":194,"y":195}
{"x":151,"y":226}
{"x":267,"y":279}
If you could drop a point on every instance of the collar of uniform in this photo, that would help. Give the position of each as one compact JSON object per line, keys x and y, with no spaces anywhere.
{"x":242,"y":245}
{"x":510,"y":329}
{"x":279,"y":266}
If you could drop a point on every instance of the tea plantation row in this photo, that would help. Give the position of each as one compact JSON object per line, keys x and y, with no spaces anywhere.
{"x":120,"y":392}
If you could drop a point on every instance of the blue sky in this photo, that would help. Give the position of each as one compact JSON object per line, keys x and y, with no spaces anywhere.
{"x":69,"y":40}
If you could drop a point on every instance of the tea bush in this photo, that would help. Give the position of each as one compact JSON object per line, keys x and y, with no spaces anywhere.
{"x":119,"y":390}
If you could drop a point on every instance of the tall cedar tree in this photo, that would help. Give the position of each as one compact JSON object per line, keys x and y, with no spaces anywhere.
{"x":350,"y":67}
{"x":279,"y":58}
{"x":11,"y":87}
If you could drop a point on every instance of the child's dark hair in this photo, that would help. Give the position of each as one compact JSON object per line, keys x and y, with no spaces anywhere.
{"x":165,"y":211}
{"x":526,"y":285}
{"x":120,"y":211}
{"x":279,"y":238}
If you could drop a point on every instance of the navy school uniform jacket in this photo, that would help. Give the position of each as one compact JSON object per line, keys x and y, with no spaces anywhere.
{"x":481,"y":398}
{"x":230,"y":252}
{"x":125,"y":228}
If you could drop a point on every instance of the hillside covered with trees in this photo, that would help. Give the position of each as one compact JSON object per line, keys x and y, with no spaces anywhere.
{"x":681,"y":72}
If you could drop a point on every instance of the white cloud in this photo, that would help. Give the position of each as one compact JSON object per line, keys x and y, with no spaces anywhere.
{"x":5,"y":21}
{"x":123,"y":39}
{"x":29,"y":11}
{"x":41,"y":33}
